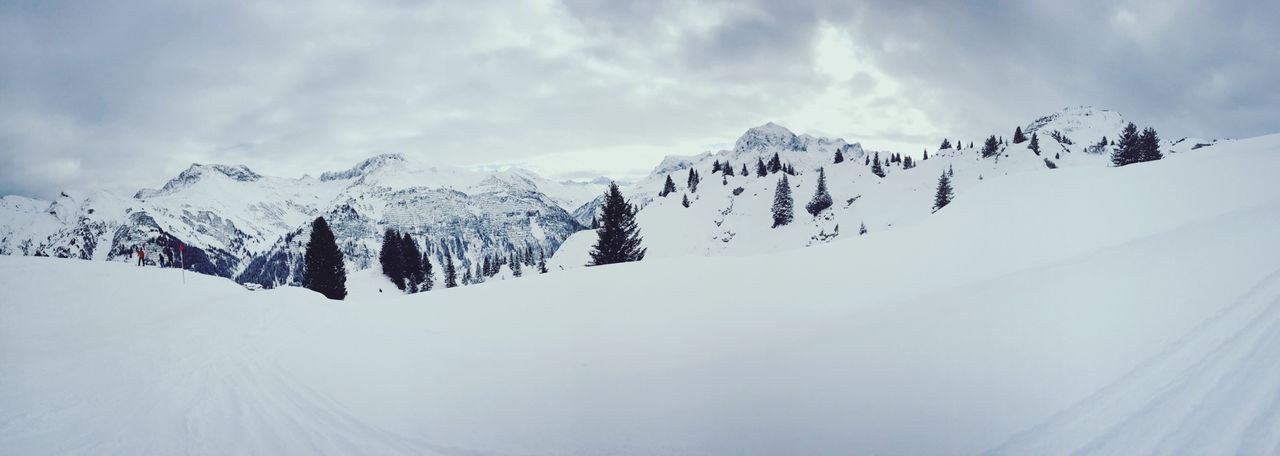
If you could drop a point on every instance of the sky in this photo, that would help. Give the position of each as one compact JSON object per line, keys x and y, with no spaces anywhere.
{"x":126,"y":94}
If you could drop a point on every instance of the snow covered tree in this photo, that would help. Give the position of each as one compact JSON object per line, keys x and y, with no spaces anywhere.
{"x":466,"y":276}
{"x":946,"y":144}
{"x":322,"y":268}
{"x":428,"y":281}
{"x":744,"y":172}
{"x":516,"y":269}
{"x":761,"y":170}
{"x":991,"y":147}
{"x":782,"y":211}
{"x":728,"y":169}
{"x":1127,"y":150}
{"x":693,"y":180}
{"x":668,"y":187}
{"x":1149,"y":145}
{"x":775,"y":164}
{"x":391,"y":258}
{"x":542,"y":263}
{"x":862,"y":229}
{"x":821,"y":198}
{"x":839,"y":157}
{"x":619,"y":236}
{"x":944,"y":194}
{"x":1035,"y":143}
{"x":1018,"y":137}
{"x":715,"y":167}
{"x":685,"y":203}
{"x":908,"y":163}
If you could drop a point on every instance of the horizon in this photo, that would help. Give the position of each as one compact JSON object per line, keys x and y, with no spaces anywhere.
{"x":116,"y":96}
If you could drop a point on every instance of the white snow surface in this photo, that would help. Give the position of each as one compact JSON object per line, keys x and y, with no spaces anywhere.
{"x":1130,"y":310}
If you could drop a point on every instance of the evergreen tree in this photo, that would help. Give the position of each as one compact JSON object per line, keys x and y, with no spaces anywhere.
{"x":322,"y":268}
{"x":466,"y":276}
{"x":782,"y":211}
{"x":744,"y":172}
{"x":411,"y":258}
{"x":862,"y":229}
{"x":944,"y":194}
{"x":728,"y":168}
{"x":908,"y":163}
{"x":991,"y":147}
{"x":946,"y":144}
{"x":775,"y":164}
{"x":761,"y":170}
{"x":668,"y":187}
{"x":686,"y":200}
{"x":839,"y":157}
{"x":542,"y":263}
{"x":516,"y":269}
{"x":926,"y":155}
{"x":1127,"y":150}
{"x":875,"y":166}
{"x":450,"y":274}
{"x":428,"y":280}
{"x":693,"y":180}
{"x":1018,"y":137}
{"x":715,"y":167}
{"x":821,"y":199}
{"x":619,"y":236}
{"x":1035,"y":143}
{"x":390,"y":258}
{"x":1149,"y":145}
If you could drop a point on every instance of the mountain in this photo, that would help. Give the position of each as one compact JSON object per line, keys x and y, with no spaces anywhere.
{"x":239,"y":224}
{"x":1086,"y":310}
{"x":730,"y":215}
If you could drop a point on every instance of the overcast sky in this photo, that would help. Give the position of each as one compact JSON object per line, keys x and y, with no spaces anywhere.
{"x":125,"y":94}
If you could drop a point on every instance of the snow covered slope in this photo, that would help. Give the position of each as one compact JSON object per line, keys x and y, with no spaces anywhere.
{"x":730,"y":215}
{"x":1130,"y":310}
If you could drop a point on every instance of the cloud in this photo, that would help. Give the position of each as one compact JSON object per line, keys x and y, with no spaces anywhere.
{"x":125,"y":94}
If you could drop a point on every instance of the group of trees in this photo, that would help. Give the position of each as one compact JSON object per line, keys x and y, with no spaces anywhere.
{"x":1134,"y":147}
{"x":783,"y":206}
{"x":405,"y":264}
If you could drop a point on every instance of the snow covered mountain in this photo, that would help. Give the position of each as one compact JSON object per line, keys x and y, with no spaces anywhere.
{"x":1084,"y":310}
{"x":239,"y":224}
{"x":730,"y":214}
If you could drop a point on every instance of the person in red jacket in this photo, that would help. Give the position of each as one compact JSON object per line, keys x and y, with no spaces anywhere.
{"x":141,"y":254}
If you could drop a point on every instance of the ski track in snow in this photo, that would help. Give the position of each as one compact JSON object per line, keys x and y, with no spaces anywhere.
{"x":1216,"y":387}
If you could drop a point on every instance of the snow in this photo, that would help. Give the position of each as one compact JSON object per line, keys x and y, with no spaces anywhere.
{"x":1130,"y":310}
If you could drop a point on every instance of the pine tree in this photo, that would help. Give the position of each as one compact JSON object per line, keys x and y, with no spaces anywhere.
{"x":686,"y":200}
{"x":946,"y":144}
{"x":390,"y":258}
{"x":821,"y":198}
{"x":668,"y":187}
{"x":411,"y":258}
{"x":926,"y":155}
{"x":1149,"y":145}
{"x":428,"y":280}
{"x":693,"y":180}
{"x":782,"y":211}
{"x":450,"y":274}
{"x":761,"y":170}
{"x":744,"y":172}
{"x":875,"y":166}
{"x":728,"y":168}
{"x":1127,"y":150}
{"x":862,"y":229}
{"x":1035,"y":143}
{"x":322,"y":268}
{"x":991,"y":147}
{"x":619,"y":236}
{"x":466,"y":276}
{"x":516,"y":269}
{"x":1018,"y":137}
{"x":839,"y":157}
{"x":908,"y":163}
{"x":542,"y":263}
{"x":775,"y":164}
{"x":715,"y":167}
{"x":944,"y":194}
{"x":866,"y":160}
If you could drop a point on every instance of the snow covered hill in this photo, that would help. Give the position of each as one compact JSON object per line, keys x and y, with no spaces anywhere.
{"x":1131,"y":310}
{"x":239,"y":224}
{"x":730,"y":215}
